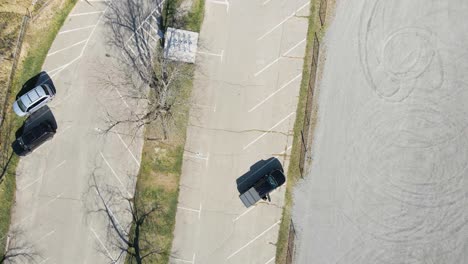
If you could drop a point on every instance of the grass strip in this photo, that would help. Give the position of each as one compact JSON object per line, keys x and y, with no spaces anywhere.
{"x":294,"y":174}
{"x":161,"y":162}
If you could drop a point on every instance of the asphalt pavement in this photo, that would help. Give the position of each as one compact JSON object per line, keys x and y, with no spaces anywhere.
{"x":54,"y":202}
{"x":388,"y":177}
{"x":249,"y":59}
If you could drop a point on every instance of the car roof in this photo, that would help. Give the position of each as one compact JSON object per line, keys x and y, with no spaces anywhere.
{"x":35,"y":133}
{"x":33,"y":96}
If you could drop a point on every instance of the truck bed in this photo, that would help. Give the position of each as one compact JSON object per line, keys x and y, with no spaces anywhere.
{"x":250,"y":197}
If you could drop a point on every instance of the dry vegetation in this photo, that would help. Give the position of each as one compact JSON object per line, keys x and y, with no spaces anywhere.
{"x":11,"y":15}
{"x":294,"y":174}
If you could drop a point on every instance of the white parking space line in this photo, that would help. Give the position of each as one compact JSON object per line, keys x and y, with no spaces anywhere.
{"x":75,"y":29}
{"x":60,"y":165}
{"x":221,"y":55}
{"x":303,"y":6}
{"x":226,"y":3}
{"x":283,"y":21}
{"x":269,"y":130}
{"x":115,"y":174}
{"x":29,"y":185}
{"x":102,"y":245}
{"x":110,"y":212}
{"x":244,"y":213}
{"x":184,"y":260}
{"x":59,"y":69}
{"x":192,"y":210}
{"x":270,"y":260}
{"x":277,"y":26}
{"x":275,"y":92}
{"x":149,"y":34}
{"x":151,"y":28}
{"x":121,"y":140}
{"x":150,"y":16}
{"x":267,"y":66}
{"x":131,"y":153}
{"x":121,"y":97}
{"x":188,"y":209}
{"x":197,"y":155}
{"x":69,"y":47}
{"x":266,"y":2}
{"x":85,"y":14}
{"x":44,"y":261}
{"x":199,"y":216}
{"x":53,"y":200}
{"x":45,"y":205}
{"x":284,"y":151}
{"x":295,"y":46}
{"x":277,"y":59}
{"x":253,"y":240}
{"x":44,"y":236}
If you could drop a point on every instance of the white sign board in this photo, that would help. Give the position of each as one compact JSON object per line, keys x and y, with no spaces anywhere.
{"x":180,"y":45}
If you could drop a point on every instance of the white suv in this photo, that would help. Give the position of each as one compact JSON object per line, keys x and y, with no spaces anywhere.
{"x":33,"y":100}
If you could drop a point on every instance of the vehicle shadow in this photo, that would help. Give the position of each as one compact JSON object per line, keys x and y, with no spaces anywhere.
{"x":38,"y":79}
{"x":44,"y":114}
{"x":257,"y":171}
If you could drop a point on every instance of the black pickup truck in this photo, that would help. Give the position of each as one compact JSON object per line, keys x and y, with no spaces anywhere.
{"x":260,"y":181}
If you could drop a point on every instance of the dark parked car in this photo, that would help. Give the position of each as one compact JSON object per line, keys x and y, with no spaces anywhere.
{"x":262,"y":187}
{"x":33,"y":138}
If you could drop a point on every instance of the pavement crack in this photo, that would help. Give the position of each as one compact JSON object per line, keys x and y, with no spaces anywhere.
{"x":243,"y":131}
{"x":271,"y":204}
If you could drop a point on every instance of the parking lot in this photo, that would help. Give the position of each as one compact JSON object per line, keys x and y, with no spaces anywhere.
{"x":250,"y":64}
{"x":54,"y":201}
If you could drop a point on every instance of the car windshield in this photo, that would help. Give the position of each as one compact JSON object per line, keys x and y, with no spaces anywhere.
{"x":44,"y":87}
{"x":21,"y":105}
{"x":272,"y":181}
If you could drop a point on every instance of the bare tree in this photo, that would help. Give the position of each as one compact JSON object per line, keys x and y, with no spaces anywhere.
{"x":137,"y":30}
{"x":18,"y":250}
{"x":128,"y":240}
